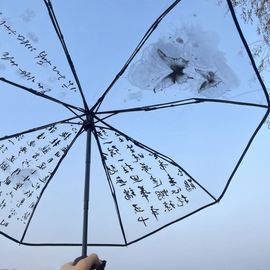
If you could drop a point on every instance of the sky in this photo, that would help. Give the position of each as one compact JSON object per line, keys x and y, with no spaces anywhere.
{"x":101,"y":35}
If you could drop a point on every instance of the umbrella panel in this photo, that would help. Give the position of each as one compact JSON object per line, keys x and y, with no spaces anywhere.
{"x":23,"y":111}
{"x":150,"y":190}
{"x":29,"y":161}
{"x":206,"y":139}
{"x":187,"y":56}
{"x":156,"y":184}
{"x":58,"y":219}
{"x":31,"y":55}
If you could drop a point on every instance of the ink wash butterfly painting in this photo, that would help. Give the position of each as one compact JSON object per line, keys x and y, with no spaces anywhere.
{"x":182,"y":59}
{"x":86,"y":143}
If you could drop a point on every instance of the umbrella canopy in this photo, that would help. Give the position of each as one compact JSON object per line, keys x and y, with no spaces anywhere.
{"x":165,"y":135}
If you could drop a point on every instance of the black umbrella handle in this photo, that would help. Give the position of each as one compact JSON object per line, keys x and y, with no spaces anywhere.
{"x":77,"y":260}
{"x":101,"y":267}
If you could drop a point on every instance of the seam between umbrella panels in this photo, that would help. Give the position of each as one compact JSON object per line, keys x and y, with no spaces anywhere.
{"x":231,"y":102}
{"x":153,"y":107}
{"x":64,"y":46}
{"x":240,"y":32}
{"x":37,"y":93}
{"x":174,"y":104}
{"x":166,"y":158}
{"x":52,"y":175}
{"x":111,"y":186}
{"x":137,"y":49}
{"x":65,"y":121}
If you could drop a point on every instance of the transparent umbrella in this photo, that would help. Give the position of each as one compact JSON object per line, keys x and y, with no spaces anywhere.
{"x":163,"y":140}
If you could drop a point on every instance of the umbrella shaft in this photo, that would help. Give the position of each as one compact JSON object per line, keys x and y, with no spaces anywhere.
{"x":86,"y":193}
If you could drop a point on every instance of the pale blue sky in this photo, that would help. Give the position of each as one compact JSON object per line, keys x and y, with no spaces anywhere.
{"x":101,"y":35}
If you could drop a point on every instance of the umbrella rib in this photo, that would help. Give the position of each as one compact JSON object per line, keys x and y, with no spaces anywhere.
{"x":248,"y":51}
{"x":108,"y":116}
{"x":64,"y":46}
{"x":232,"y":102}
{"x":111,"y":185}
{"x":137,"y":49}
{"x":75,"y":123}
{"x":52,"y":175}
{"x":166,"y":158}
{"x":79,"y":116}
{"x":37,"y":93}
{"x":178,"y":103}
{"x":38,"y":128}
{"x":154,"y":107}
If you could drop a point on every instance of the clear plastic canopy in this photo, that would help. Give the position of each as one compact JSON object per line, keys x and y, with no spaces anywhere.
{"x":169,"y":91}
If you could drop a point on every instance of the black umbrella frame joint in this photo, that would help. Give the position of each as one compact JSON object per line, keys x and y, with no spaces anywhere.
{"x":89,"y":120}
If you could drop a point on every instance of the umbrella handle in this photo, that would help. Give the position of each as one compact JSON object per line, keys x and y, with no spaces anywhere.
{"x":101,"y":267}
{"x":77,"y":260}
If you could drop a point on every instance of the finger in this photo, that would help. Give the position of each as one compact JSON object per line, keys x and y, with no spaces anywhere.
{"x":88,"y":262}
